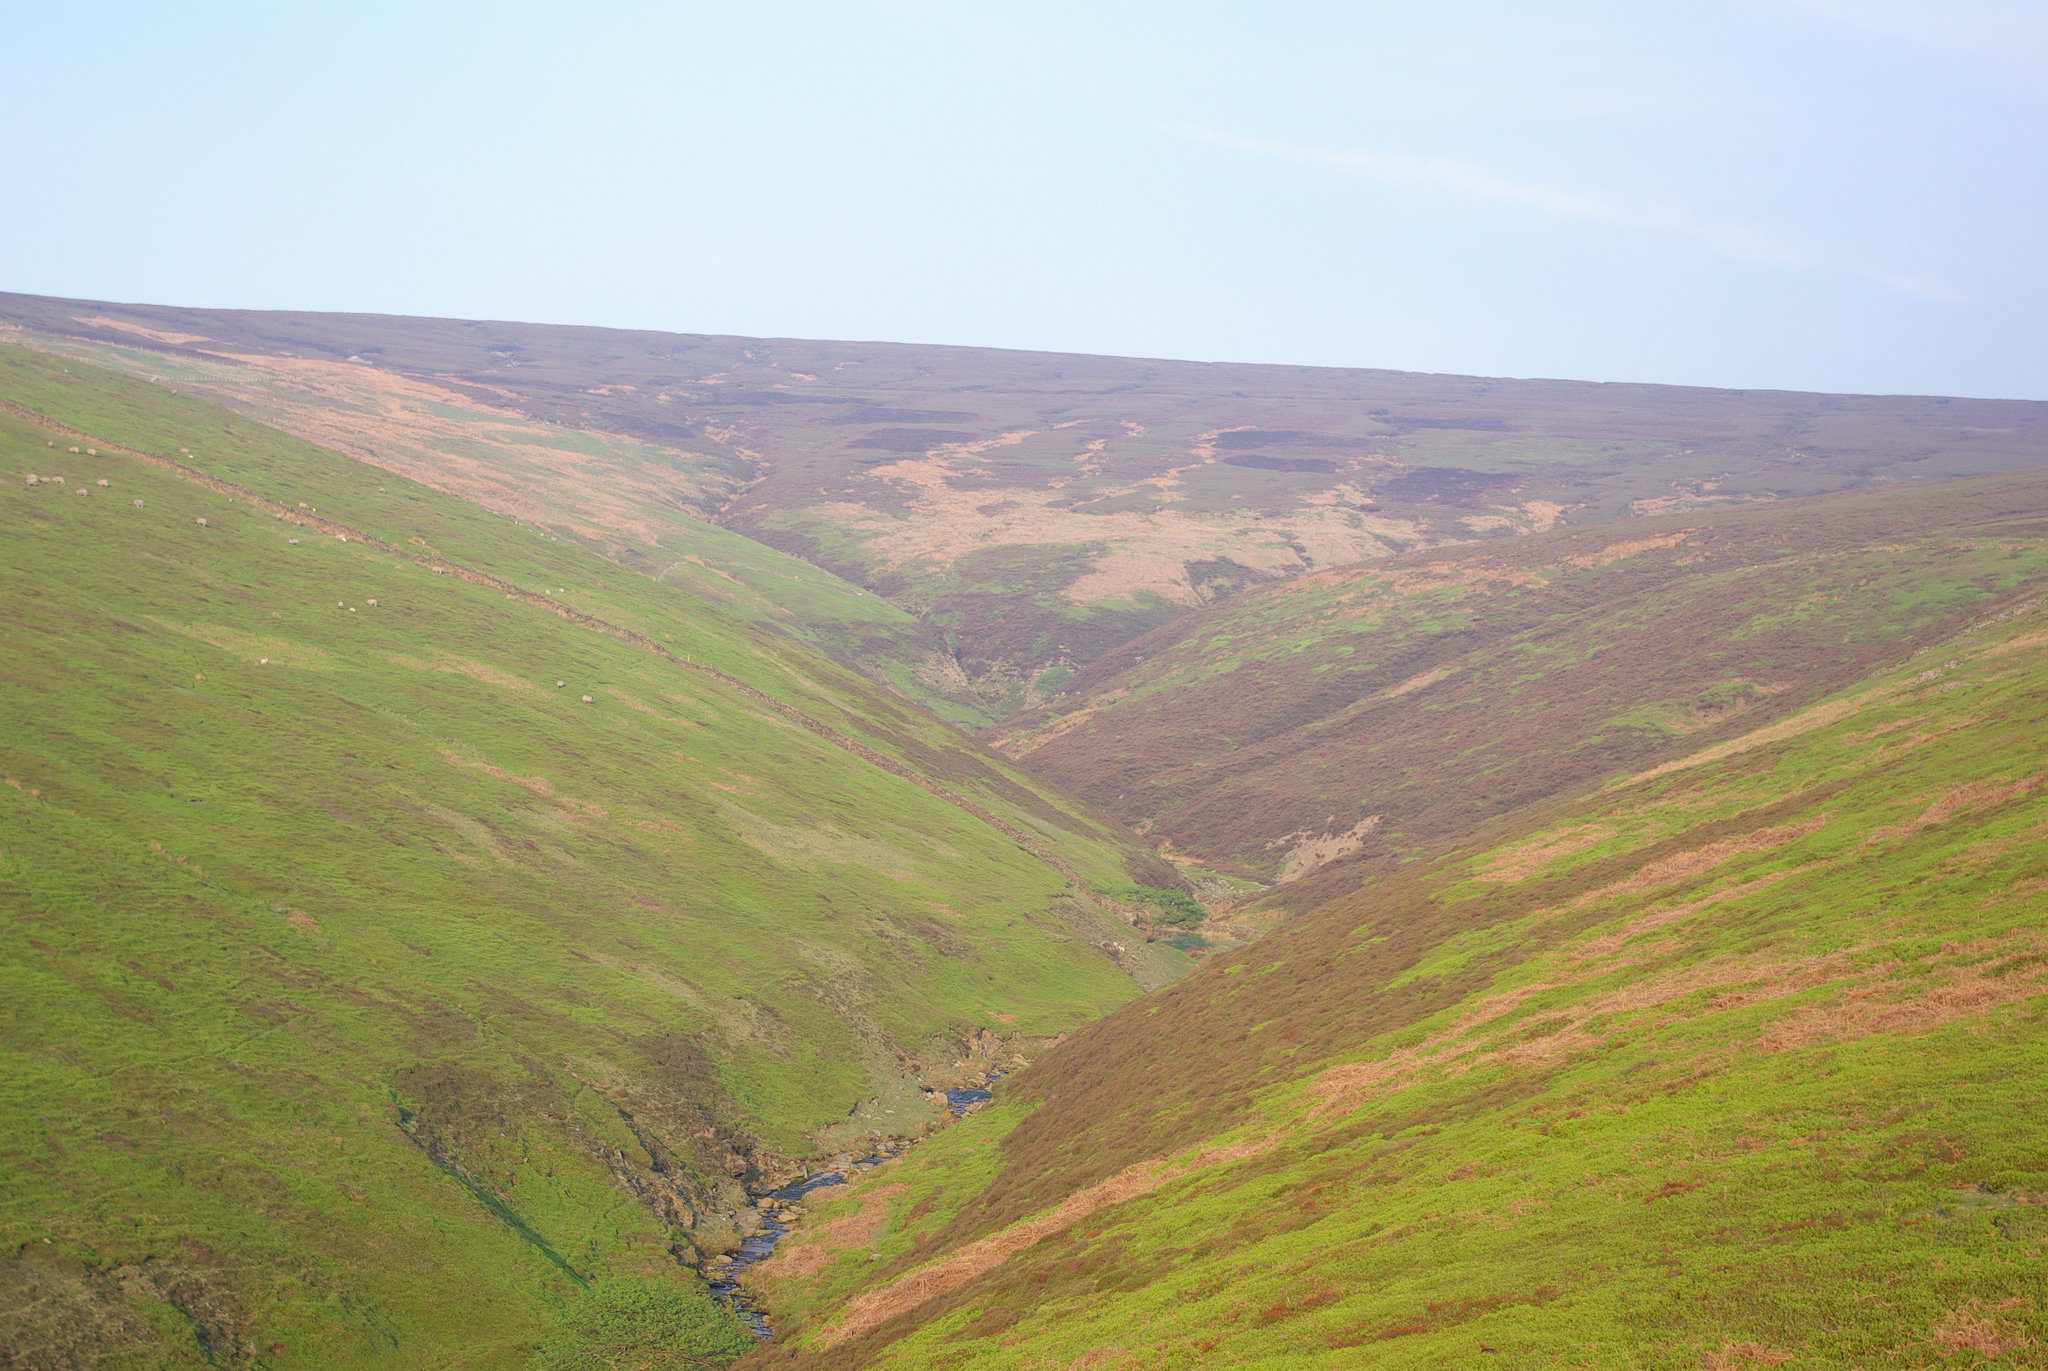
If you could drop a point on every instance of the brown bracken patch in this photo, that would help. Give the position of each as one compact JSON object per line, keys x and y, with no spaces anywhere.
{"x":1737,"y":1354}
{"x":1609,"y":943}
{"x":978,"y":1258}
{"x":1960,"y":799}
{"x":1524,"y":860}
{"x":1872,"y":1008}
{"x":1615,"y":552}
{"x":1975,"y":1328}
{"x":812,"y":1251}
{"x":1685,"y":865}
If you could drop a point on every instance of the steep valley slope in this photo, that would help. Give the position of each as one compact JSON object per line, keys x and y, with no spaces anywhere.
{"x":1303,"y":732}
{"x":421,"y":931}
{"x":1729,"y":1059}
{"x":483,"y":800}
{"x":974,"y":526}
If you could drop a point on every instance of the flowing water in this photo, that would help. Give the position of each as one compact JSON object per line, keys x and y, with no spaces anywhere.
{"x":726,"y":1285}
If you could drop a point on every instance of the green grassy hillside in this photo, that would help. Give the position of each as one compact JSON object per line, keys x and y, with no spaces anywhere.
{"x":1023,"y":513}
{"x":644,"y":502}
{"x":1733,"y":1061}
{"x":1376,"y":711}
{"x":420,"y":929}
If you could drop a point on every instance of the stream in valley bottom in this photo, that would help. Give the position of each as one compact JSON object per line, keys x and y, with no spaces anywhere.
{"x":726,"y":1284}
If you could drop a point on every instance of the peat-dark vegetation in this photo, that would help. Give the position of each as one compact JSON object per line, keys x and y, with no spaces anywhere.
{"x":891,"y":467}
{"x":1445,"y":485}
{"x":911,"y":439}
{"x":422,"y":933}
{"x":1727,"y":1060}
{"x":1429,"y":692}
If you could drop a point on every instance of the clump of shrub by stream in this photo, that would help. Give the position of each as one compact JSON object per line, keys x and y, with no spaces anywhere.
{"x":1176,"y":908}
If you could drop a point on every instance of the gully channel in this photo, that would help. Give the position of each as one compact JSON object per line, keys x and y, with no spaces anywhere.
{"x":725,"y":1279}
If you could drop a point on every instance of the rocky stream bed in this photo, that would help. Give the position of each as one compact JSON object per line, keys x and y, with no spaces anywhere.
{"x":781,"y":1207}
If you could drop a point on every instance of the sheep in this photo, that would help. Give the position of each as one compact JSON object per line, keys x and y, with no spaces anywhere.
{"x":83,"y":491}
{"x":560,"y":684}
{"x":74,"y":447}
{"x":294,"y":542}
{"x":202,"y":523}
{"x":138,"y":504}
{"x":373,"y":604}
{"x":588,"y":700}
{"x":92,"y":452}
{"x":32,"y":478}
{"x":103,"y":480}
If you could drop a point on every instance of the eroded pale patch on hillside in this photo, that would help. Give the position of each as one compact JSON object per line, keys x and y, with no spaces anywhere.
{"x":1308,"y":853}
{"x":1145,"y":551}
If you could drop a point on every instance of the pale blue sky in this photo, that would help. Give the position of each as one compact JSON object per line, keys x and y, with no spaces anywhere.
{"x":1824,"y":194}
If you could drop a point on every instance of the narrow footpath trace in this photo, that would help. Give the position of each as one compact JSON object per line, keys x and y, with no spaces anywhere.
{"x":443,"y":566}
